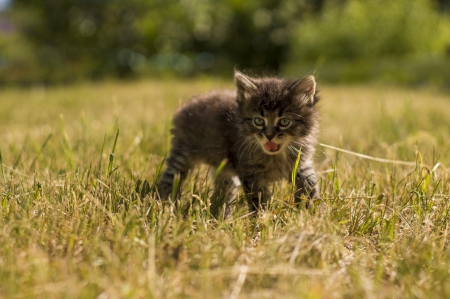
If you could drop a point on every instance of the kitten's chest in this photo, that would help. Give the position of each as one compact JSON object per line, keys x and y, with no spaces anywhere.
{"x":265,"y":168}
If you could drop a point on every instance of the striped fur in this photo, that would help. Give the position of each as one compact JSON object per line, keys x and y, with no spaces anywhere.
{"x":258,"y":129}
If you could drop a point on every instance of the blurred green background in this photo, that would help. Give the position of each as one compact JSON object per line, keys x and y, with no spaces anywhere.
{"x":64,"y":41}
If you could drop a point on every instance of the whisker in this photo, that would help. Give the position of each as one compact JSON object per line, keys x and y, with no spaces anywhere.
{"x":253,"y":149}
{"x":294,"y":149}
{"x":291,"y":149}
{"x":248,"y":144}
{"x":298,"y":142}
{"x":291,"y":161}
{"x":241,"y":141}
{"x":298,"y":115}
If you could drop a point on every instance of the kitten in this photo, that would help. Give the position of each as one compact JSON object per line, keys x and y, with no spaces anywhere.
{"x":258,"y":130}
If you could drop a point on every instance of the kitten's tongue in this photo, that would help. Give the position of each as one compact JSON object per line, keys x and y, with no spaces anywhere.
{"x":271,"y":146}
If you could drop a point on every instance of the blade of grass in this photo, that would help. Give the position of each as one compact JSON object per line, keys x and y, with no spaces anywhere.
{"x":219,"y":168}
{"x":111,"y":155}
{"x":68,"y":153}
{"x":367,"y":157}
{"x":1,"y":165}
{"x":40,"y":150}
{"x":296,"y":164}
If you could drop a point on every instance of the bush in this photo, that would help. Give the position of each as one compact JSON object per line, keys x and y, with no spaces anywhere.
{"x":94,"y":39}
{"x":369,"y":29}
{"x":66,"y":40}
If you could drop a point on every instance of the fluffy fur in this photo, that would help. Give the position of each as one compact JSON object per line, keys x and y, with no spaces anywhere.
{"x":258,"y":129}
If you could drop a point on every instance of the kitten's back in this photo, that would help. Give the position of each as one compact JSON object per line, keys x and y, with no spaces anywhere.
{"x":205,"y":126}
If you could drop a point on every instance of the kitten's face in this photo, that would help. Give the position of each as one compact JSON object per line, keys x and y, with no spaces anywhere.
{"x":277,"y":114}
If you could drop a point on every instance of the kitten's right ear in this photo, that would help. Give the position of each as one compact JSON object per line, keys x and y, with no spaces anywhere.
{"x":245,"y":86}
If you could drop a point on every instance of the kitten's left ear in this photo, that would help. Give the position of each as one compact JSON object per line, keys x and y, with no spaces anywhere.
{"x":305,"y":89}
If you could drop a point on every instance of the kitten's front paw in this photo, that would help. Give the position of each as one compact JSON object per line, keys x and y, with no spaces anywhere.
{"x":311,"y":187}
{"x":307,"y":187}
{"x":164,"y":190}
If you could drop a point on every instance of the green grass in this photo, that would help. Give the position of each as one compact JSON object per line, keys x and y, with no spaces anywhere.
{"x":73,"y":223}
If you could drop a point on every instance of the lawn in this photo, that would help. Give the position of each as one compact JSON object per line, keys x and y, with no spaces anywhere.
{"x":73,"y":224}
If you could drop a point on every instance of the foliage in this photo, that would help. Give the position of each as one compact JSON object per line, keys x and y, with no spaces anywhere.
{"x":67,"y":40}
{"x":222,"y":33}
{"x":73,"y":224}
{"x":89,"y":38}
{"x":399,"y":41}
{"x":371,"y":29}
{"x":97,"y":38}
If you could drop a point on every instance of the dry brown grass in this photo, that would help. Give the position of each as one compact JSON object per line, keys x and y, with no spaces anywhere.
{"x":72,"y":225}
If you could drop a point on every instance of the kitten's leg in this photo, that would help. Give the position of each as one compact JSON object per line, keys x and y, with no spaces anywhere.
{"x":178,"y":165}
{"x":306,"y":182}
{"x":257,"y":197}
{"x":225,"y":192}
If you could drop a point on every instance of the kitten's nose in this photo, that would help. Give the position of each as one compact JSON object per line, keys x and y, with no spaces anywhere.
{"x":269,"y":137}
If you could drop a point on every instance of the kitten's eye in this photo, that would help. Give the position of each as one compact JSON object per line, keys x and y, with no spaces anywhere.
{"x":284,"y":122}
{"x":258,"y":121}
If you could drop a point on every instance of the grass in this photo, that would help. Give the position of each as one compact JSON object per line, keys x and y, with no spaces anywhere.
{"x":73,"y":223}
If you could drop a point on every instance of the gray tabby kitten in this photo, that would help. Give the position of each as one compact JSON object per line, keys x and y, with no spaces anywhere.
{"x":258,"y":130}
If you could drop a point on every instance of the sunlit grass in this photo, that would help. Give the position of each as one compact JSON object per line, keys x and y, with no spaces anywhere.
{"x":73,"y":224}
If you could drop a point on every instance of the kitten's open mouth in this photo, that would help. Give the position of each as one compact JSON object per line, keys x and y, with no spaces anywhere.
{"x":271,"y":146}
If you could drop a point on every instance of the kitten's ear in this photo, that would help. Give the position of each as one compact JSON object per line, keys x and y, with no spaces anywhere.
{"x":245,"y":86}
{"x":305,"y":89}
